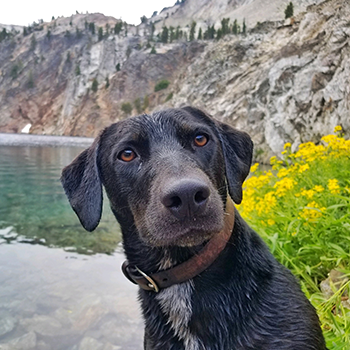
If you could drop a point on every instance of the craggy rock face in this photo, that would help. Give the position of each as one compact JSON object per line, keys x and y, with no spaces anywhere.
{"x":169,"y":170}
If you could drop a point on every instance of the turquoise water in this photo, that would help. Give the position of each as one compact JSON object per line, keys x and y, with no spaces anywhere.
{"x":60,"y":286}
{"x":33,"y":203}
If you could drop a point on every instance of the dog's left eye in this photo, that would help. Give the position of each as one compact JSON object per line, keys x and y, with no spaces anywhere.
{"x":127,"y":155}
{"x":201,"y":140}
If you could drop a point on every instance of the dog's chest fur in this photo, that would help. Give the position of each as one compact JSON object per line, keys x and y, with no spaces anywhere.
{"x":176,"y":304}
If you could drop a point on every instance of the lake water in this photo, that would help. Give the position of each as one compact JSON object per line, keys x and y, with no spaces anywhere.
{"x":60,"y":286}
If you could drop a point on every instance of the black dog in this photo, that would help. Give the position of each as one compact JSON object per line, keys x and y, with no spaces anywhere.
{"x":204,"y":285}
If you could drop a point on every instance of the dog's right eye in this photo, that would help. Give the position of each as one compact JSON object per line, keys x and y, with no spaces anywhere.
{"x":127,"y":155}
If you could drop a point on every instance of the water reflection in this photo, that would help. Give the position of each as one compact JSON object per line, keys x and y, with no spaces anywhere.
{"x":32,"y":201}
{"x":51,"y":297}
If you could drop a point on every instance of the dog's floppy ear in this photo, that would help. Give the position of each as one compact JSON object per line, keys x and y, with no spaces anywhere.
{"x":83,"y":187}
{"x":238,"y":150}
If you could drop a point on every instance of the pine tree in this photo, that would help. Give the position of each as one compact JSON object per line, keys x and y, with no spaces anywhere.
{"x":94,"y":86}
{"x":165,"y":35}
{"x":172,"y":34}
{"x":289,"y":11}
{"x":235,"y":27}
{"x":244,"y":28}
{"x":153,"y":51}
{"x":192,"y":30}
{"x":200,"y":34}
{"x":100,"y":33}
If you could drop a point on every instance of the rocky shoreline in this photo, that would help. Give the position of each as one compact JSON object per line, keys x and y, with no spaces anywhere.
{"x":43,"y":140}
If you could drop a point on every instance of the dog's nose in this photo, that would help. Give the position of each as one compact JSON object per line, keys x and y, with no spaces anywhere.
{"x":186,"y":198}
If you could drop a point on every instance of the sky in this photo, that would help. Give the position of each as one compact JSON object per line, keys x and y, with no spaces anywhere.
{"x":25,"y":12}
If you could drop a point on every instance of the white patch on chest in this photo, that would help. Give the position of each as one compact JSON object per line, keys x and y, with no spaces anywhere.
{"x":175,"y":303}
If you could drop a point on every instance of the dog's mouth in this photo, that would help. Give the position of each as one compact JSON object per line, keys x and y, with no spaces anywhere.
{"x":165,"y":231}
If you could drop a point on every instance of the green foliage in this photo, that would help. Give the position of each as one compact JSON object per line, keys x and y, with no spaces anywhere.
{"x":94,"y":86}
{"x":161,"y":85}
{"x":100,"y":33}
{"x":30,"y":80}
{"x":235,"y":28}
{"x":200,"y":35}
{"x":192,"y":30}
{"x":138,"y":105}
{"x":68,"y":57}
{"x":172,"y":34}
{"x":145,"y":103}
{"x":117,"y":67}
{"x":92,"y":28}
{"x":48,"y":34}
{"x":164,"y":35}
{"x":118,"y":27}
{"x":77,"y":69}
{"x":153,"y":28}
{"x":25,"y":31}
{"x":127,"y":108}
{"x":219,"y":34}
{"x":225,"y":28}
{"x":67,"y":34}
{"x":153,"y":51}
{"x":289,"y":11}
{"x":3,"y":35}
{"x":144,"y":19}
{"x":107,"y":83}
{"x":210,"y":33}
{"x":301,"y":207}
{"x":169,"y":97}
{"x":78,"y":33}
{"x":32,"y":43}
{"x":15,"y":70}
{"x":244,"y":28}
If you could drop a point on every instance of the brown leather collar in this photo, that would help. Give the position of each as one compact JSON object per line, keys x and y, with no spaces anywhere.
{"x":190,"y":268}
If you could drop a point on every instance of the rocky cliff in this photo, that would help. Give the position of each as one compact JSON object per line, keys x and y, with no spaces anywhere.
{"x":282,"y":81}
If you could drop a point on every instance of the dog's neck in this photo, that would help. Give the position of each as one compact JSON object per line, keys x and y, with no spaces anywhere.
{"x":168,"y":275}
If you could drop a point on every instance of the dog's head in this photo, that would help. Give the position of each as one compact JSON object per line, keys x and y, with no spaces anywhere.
{"x":167,"y":173}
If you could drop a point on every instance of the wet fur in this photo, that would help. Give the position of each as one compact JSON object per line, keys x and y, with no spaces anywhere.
{"x":246,"y":300}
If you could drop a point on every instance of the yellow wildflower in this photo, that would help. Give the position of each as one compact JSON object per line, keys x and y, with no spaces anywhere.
{"x":337,"y":128}
{"x":312,"y":212}
{"x":308,"y":193}
{"x":287,"y":145}
{"x":271,"y":222}
{"x":283,"y":186}
{"x":303,"y":168}
{"x":254,"y":167}
{"x":333,"y":186}
{"x":294,"y":233}
{"x":273,"y":160}
{"x":318,"y":188}
{"x":283,"y":172}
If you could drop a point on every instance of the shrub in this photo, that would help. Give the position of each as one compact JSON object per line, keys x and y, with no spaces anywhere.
{"x":77,"y":70}
{"x":94,"y":86}
{"x":161,"y":85}
{"x":301,"y":207}
{"x":145,"y":103}
{"x":169,"y":97}
{"x":153,"y":51}
{"x":138,"y":106}
{"x":289,"y":11}
{"x":126,"y":108}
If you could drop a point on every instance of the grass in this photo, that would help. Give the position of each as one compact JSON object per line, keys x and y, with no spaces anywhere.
{"x":301,"y":207}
